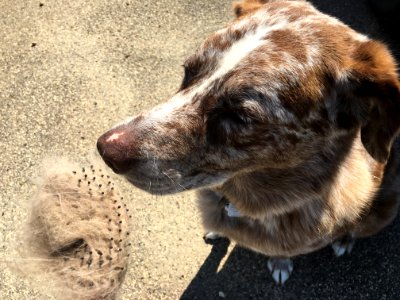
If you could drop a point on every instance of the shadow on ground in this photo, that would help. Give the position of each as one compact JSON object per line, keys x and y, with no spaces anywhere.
{"x":371,"y":271}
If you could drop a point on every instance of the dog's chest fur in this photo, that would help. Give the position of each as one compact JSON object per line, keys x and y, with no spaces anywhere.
{"x":294,"y":211}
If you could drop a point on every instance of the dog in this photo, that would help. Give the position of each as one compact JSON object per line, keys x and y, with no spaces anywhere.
{"x":286,"y":124}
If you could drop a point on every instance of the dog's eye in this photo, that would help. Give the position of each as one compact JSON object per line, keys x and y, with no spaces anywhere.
{"x":224,"y":124}
{"x":235,"y":117}
{"x":189,"y":75}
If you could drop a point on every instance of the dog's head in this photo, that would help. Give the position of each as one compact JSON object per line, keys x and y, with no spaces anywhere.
{"x":268,"y":91}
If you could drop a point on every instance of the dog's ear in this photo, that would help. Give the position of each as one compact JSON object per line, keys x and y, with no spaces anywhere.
{"x":242,"y":8}
{"x":370,"y":98}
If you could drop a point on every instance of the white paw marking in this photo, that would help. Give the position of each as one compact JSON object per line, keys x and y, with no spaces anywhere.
{"x":280,"y":269}
{"x":343,"y":246}
{"x":212,"y":236}
{"x":232,"y":211}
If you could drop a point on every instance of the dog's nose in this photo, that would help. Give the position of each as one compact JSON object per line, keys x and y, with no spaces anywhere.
{"x":115,"y":149}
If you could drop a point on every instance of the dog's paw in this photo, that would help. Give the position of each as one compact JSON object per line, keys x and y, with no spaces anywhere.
{"x":280,"y":269}
{"x":211,"y":237}
{"x":343,"y":245}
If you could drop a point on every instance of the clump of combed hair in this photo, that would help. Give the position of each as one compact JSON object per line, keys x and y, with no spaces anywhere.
{"x":77,"y":238}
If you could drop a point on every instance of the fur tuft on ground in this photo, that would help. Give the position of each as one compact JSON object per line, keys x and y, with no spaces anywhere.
{"x":77,"y":236}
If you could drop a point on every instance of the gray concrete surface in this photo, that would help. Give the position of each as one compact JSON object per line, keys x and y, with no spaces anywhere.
{"x":71,"y":69}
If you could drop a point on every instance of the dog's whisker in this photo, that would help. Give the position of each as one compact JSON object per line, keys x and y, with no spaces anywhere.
{"x":155,"y":166}
{"x":174,"y":182}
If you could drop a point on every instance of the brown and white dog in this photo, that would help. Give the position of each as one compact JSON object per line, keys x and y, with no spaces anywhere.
{"x":290,"y":117}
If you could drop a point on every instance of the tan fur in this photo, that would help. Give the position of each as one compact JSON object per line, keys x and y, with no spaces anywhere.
{"x":77,"y":239}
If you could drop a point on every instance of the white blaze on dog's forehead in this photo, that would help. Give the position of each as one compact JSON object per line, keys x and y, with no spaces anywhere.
{"x":163,"y":111}
{"x":229,"y":60}
{"x":114,"y":136}
{"x":240,"y":50}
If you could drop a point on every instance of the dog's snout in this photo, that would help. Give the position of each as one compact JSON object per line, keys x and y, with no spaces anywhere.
{"x":115,"y":147}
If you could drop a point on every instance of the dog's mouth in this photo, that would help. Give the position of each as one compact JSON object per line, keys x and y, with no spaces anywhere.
{"x":157,"y":186}
{"x":167,"y":184}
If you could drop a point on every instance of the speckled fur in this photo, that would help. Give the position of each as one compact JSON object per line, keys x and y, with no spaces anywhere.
{"x":287,"y":113}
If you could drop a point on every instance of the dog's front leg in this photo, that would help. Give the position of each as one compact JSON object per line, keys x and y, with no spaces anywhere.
{"x":232,"y":212}
{"x":219,"y":216}
{"x":211,"y":204}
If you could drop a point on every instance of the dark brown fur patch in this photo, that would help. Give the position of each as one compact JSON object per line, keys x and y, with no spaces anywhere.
{"x":287,"y":41}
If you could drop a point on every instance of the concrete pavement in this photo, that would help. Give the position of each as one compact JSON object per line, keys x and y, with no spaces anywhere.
{"x":71,"y":69}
